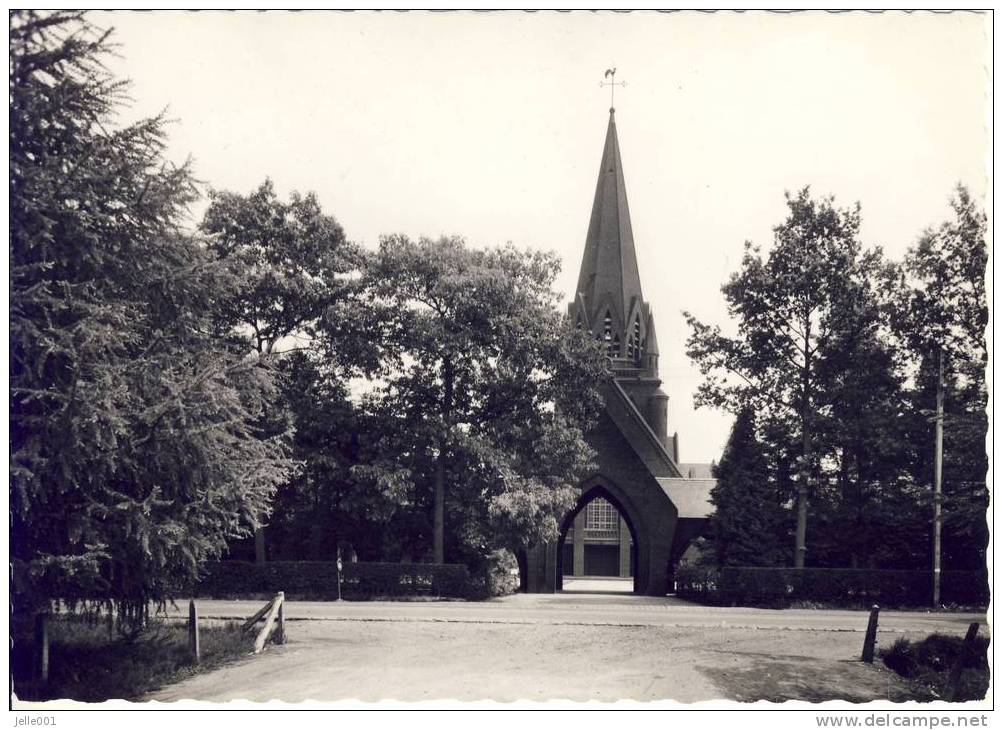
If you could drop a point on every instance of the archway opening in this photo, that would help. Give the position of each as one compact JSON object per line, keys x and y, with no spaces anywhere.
{"x":598,"y":548}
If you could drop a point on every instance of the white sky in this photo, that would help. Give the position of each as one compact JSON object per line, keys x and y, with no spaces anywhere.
{"x":491,"y":126}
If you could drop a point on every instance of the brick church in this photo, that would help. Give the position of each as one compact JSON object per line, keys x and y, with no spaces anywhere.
{"x":642,"y":508}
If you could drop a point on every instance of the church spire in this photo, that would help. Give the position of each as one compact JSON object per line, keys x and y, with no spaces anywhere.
{"x":609,"y":268}
{"x":609,"y":300}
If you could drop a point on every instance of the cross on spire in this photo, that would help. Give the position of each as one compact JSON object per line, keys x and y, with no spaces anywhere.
{"x":612,"y":84}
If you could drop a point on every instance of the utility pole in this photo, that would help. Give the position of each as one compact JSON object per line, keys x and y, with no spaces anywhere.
{"x":938,"y":468}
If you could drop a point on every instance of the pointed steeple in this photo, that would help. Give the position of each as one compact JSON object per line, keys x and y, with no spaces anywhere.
{"x":608,"y":300}
{"x":609,"y":277}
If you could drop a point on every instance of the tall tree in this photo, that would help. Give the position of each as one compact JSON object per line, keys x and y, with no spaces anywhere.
{"x":485,"y":392}
{"x":784,"y":309}
{"x":747,"y":516}
{"x":294,"y":261}
{"x":866,"y":495}
{"x":946,"y":317}
{"x":135,"y":453}
{"x":294,"y":269}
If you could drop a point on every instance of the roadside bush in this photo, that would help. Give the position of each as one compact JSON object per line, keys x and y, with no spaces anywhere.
{"x":318,"y":580}
{"x":497,"y":575}
{"x":928,"y":663}
{"x":698,"y":583}
{"x":778,"y":587}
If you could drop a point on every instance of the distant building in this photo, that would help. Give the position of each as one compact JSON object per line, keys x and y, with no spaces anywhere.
{"x":638,"y":513}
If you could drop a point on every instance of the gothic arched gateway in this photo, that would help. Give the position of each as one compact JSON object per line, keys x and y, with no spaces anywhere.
{"x":638,"y":463}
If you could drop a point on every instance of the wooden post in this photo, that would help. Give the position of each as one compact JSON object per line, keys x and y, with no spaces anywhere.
{"x":954,"y":677}
{"x":870,"y":638}
{"x":42,"y":647}
{"x":193,"y":632}
{"x":938,"y":468}
{"x":280,"y":630}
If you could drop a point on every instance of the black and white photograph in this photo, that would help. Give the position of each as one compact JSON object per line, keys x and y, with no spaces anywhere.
{"x":503,"y":359}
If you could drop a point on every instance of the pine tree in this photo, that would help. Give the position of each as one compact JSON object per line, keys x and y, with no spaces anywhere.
{"x":747,"y":518}
{"x":135,"y":450}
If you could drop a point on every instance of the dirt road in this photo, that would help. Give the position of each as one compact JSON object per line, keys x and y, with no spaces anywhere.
{"x":560,"y":647}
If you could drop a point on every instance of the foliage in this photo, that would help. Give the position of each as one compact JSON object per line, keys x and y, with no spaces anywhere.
{"x":296,"y":302}
{"x":483,"y":398}
{"x":497,"y":575}
{"x":866,"y":501}
{"x":779,"y":587}
{"x":946,"y":313}
{"x":929,"y":662}
{"x":296,"y":267}
{"x":786,"y":308}
{"x":318,"y":580}
{"x":135,"y":452}
{"x":747,"y":521}
{"x":836,"y":356}
{"x":320,"y":508}
{"x":86,"y":666}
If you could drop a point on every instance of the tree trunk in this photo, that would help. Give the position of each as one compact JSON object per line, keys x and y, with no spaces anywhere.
{"x":259,"y":545}
{"x":260,"y":554}
{"x":800,"y":548}
{"x":438,"y":515}
{"x":439,"y":528}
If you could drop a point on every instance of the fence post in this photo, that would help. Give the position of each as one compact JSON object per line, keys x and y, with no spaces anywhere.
{"x":954,"y":677}
{"x":193,"y":631}
{"x":42,"y":647}
{"x":280,"y":630}
{"x":870,"y":637}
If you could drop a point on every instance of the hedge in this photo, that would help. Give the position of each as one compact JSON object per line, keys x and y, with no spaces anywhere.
{"x":318,"y":580}
{"x":778,"y":587}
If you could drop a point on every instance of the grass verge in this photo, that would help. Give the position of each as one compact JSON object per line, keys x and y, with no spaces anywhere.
{"x":928,"y":663}
{"x":85,"y":665}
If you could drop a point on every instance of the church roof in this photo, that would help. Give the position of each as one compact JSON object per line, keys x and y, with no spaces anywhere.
{"x":609,"y":267}
{"x":697,"y":471}
{"x":690,"y":496}
{"x":638,"y":432}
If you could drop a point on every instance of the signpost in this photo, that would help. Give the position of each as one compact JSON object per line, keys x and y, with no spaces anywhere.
{"x":339,"y":573}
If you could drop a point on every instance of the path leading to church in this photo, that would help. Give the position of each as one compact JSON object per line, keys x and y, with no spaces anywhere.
{"x":565,"y":646}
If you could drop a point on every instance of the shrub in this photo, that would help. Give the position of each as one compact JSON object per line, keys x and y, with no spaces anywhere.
{"x":318,"y":580}
{"x":929,"y":662}
{"x":497,"y":575}
{"x":777,"y":587}
{"x":698,"y":583}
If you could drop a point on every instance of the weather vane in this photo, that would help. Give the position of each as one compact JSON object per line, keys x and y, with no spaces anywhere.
{"x":612,"y":83}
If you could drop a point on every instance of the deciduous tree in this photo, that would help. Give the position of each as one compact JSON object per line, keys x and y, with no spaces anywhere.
{"x":783,"y":306}
{"x":485,"y":392}
{"x":947,"y":315}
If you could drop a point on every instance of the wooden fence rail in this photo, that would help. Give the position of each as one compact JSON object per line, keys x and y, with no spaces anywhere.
{"x":275,"y":622}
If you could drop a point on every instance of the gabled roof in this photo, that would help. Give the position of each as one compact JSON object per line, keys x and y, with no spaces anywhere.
{"x":609,"y":266}
{"x":690,"y":496}
{"x":638,"y":433}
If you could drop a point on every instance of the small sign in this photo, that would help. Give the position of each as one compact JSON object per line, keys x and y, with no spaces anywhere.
{"x":339,"y":564}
